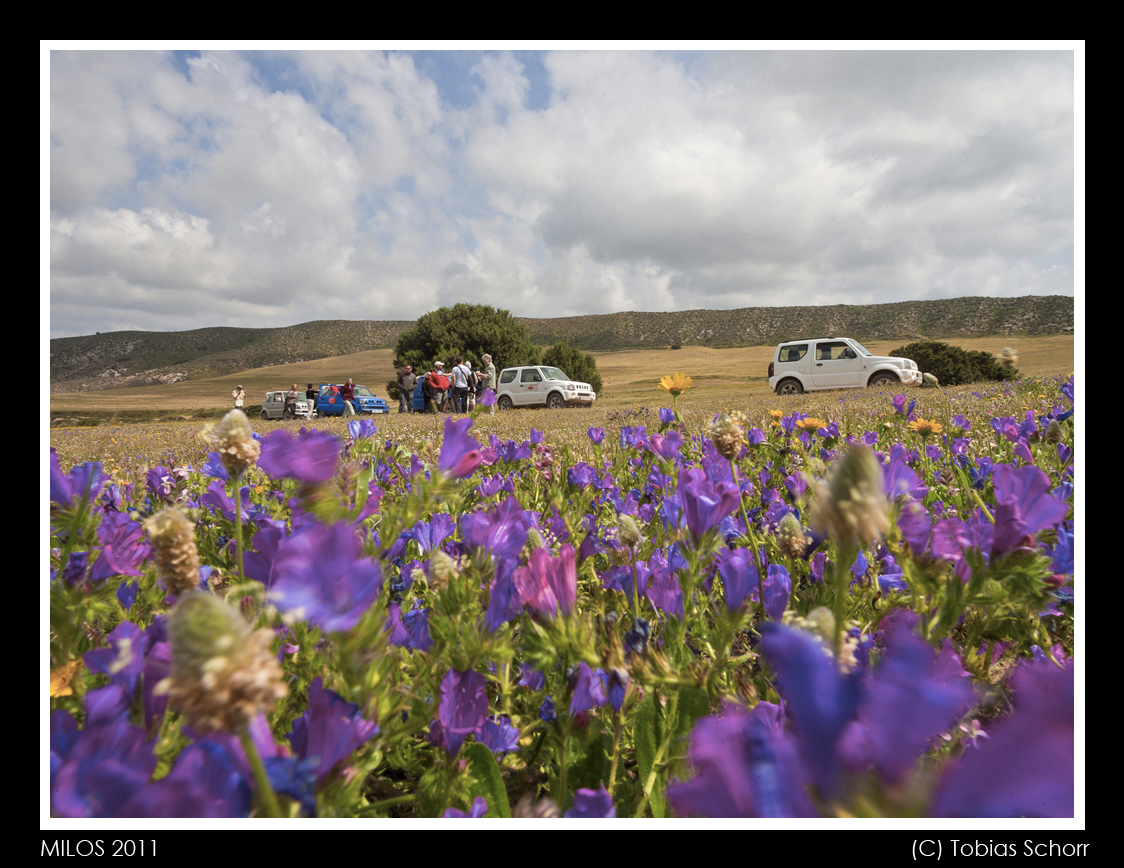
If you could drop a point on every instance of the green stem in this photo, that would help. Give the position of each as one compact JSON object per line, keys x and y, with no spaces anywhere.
{"x":261,"y":779}
{"x":238,"y":528}
{"x":616,"y":752}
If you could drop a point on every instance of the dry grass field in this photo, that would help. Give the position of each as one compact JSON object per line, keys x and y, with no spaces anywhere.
{"x":723,"y":380}
{"x":630,"y":376}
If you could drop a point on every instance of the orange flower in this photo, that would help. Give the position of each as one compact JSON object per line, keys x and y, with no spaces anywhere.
{"x":63,"y":677}
{"x":677,"y":384}
{"x":925,"y":427}
{"x":811,"y":423}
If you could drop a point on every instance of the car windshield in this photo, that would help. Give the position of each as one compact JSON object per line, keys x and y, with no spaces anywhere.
{"x":363,"y":391}
{"x":861,"y":348}
{"x":553,"y":374}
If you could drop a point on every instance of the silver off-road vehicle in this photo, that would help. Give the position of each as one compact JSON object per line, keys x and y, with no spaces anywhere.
{"x":539,"y":386}
{"x":273,"y":407}
{"x":814,"y":364}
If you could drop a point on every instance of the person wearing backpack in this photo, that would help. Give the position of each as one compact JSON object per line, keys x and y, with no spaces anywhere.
{"x":460,"y":386}
{"x":440,"y":382}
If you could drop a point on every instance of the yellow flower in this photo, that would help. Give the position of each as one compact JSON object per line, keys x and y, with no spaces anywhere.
{"x":62,"y":678}
{"x":811,"y":423}
{"x":777,"y":414}
{"x":677,"y":384}
{"x":925,"y":427}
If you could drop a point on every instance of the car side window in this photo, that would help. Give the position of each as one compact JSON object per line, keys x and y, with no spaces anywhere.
{"x":794,"y":353}
{"x":831,"y":351}
{"x":508,"y":376}
{"x":530,"y":376}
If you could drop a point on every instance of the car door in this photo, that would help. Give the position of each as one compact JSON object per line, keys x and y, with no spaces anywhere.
{"x":835,"y":365}
{"x":531,"y":389}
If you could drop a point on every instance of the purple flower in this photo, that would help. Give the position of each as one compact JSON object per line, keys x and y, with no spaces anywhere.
{"x":1026,"y":767}
{"x":430,"y":534}
{"x":204,"y":782}
{"x":596,"y":435}
{"x":311,"y":458}
{"x":746,"y":767}
{"x":123,"y":547}
{"x":884,"y":722}
{"x":592,"y":805}
{"x":705,"y":503}
{"x":479,"y":807}
{"x":498,"y":734}
{"x":323,"y":577}
{"x":667,"y":445}
{"x":361,"y":429}
{"x":460,"y":453}
{"x":1024,"y":506}
{"x":463,"y":707}
{"x":331,"y":729}
{"x":84,"y":482}
{"x":489,"y":399}
{"x":549,"y":584}
{"x":588,"y":690}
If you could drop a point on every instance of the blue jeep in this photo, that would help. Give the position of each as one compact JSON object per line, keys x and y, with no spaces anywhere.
{"x":329,"y":402}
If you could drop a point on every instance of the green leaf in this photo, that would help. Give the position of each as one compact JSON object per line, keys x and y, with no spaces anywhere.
{"x":487,"y":774}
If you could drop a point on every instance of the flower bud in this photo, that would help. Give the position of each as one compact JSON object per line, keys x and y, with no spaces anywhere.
{"x":728,"y":436}
{"x":791,"y":540}
{"x":628,"y":531}
{"x":1054,"y":431}
{"x":852,"y":507}
{"x":234,"y":440}
{"x":223,"y":673}
{"x":172,"y":536}
{"x":442,"y":570}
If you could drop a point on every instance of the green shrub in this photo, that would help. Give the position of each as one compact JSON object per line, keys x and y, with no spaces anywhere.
{"x":954,"y":366}
{"x":578,"y":366}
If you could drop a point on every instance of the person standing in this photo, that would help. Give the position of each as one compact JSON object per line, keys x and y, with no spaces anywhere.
{"x":489,"y":377}
{"x":239,"y":396}
{"x":291,"y":402}
{"x":347,"y":394}
{"x":440,"y":384}
{"x":460,"y":386}
{"x":407,"y":382}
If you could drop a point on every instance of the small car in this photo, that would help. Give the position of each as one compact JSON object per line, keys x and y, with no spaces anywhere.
{"x":329,"y":402}
{"x":273,"y":407}
{"x":542,"y":386}
{"x":814,"y":364}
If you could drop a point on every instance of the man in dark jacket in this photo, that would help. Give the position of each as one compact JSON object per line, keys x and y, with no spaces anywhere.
{"x":407,"y":382}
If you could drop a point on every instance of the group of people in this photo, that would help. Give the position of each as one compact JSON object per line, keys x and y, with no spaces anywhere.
{"x":454,"y":392}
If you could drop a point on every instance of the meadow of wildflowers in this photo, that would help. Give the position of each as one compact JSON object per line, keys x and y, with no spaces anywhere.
{"x":860,"y":608}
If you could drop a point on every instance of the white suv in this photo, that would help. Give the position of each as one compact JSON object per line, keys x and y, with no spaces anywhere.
{"x":538,"y":386}
{"x":835,"y":363}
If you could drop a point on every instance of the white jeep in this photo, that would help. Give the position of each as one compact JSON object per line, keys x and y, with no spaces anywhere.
{"x":835,"y":363}
{"x":273,"y":407}
{"x":540,"y":385}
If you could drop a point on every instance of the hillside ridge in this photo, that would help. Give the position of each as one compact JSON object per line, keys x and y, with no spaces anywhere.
{"x":135,"y":358}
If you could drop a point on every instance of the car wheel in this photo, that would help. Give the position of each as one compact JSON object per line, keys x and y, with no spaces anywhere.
{"x":555,"y":402}
{"x":504,"y":403}
{"x":789,"y":387}
{"x":264,"y":416}
{"x":879,"y":380}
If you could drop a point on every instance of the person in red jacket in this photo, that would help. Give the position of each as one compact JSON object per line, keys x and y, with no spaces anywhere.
{"x":347,"y":393}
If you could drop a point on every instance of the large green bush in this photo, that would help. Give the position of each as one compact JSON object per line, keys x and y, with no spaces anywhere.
{"x":468,"y":330}
{"x":578,"y":366}
{"x":954,"y":366}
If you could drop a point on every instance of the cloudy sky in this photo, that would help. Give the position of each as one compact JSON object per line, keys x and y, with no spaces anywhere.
{"x":192,"y":189}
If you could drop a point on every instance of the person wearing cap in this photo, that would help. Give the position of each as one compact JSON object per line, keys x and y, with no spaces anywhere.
{"x":239,"y":396}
